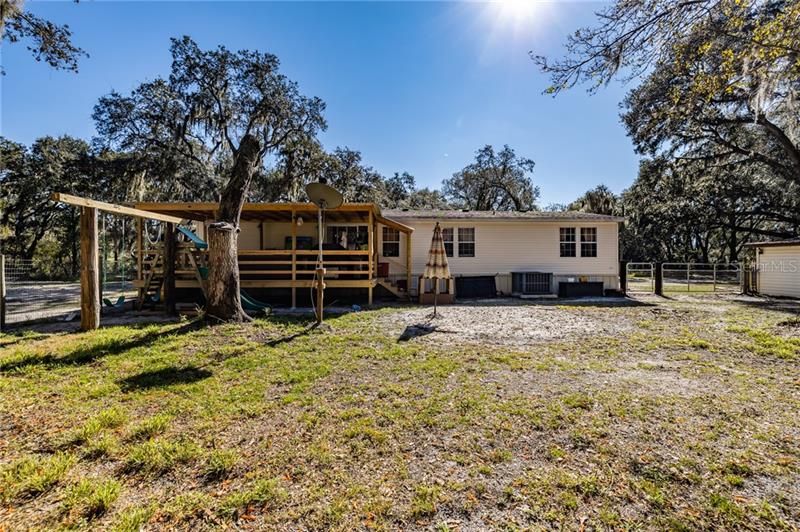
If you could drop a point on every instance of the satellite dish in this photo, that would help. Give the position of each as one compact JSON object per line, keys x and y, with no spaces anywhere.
{"x":323,"y":195}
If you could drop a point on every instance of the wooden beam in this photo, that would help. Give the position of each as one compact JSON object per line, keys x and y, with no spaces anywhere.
{"x":169,"y":269}
{"x":90,"y":279}
{"x":112,"y":208}
{"x":139,"y":251}
{"x":403,"y":228}
{"x":370,"y":247}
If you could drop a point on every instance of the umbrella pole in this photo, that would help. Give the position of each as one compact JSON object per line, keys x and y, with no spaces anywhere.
{"x":435,"y":294}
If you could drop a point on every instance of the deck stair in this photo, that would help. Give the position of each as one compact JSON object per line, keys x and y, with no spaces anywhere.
{"x":392,"y":287}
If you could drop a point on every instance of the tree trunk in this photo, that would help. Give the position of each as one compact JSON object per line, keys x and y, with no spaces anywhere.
{"x":224,"y":301}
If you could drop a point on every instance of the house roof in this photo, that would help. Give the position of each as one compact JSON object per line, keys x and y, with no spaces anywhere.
{"x":774,"y":243}
{"x":543,"y":216}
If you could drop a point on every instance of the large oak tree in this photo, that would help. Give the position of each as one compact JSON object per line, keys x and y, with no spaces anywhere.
{"x":218,"y":110}
{"x":495,"y":180}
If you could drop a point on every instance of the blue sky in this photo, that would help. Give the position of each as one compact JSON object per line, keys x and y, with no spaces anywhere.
{"x":415,"y":86}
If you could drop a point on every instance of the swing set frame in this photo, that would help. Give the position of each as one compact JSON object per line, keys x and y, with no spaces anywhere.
{"x":90,"y":257}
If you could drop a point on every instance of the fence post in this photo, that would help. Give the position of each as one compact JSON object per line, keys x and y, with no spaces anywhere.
{"x":715,"y":278}
{"x":623,"y":276}
{"x":2,"y":292}
{"x":659,"y":278}
{"x":688,"y":277}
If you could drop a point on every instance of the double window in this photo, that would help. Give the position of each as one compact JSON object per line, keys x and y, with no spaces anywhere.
{"x":466,"y":241}
{"x":391,"y":242}
{"x":568,"y":241}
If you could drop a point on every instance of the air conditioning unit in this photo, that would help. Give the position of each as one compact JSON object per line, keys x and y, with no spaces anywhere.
{"x":531,"y":283}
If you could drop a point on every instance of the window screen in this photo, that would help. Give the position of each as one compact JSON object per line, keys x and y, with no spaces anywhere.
{"x":391,"y":242}
{"x":466,"y":241}
{"x":447,"y":236}
{"x":588,"y":241}
{"x":567,"y":238}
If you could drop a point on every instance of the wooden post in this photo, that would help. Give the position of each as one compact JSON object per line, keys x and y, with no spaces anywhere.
{"x":408,"y":265}
{"x":320,"y":294}
{"x":90,"y":280}
{"x":2,"y":292}
{"x":139,"y":255}
{"x":659,"y":278}
{"x":169,"y":268}
{"x":370,"y":258}
{"x":623,"y":276}
{"x":715,"y":277}
{"x":294,"y":259}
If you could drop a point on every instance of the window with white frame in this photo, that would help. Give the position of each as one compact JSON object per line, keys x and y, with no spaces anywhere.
{"x":588,"y":241}
{"x":447,"y":236}
{"x":391,"y":242}
{"x":466,"y":241}
{"x":567,"y":240}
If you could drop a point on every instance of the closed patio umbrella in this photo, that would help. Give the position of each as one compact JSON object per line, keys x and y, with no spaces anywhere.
{"x":436,"y":268}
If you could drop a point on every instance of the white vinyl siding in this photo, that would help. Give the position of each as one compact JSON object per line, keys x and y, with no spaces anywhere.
{"x":779,"y":271}
{"x":507,"y":246}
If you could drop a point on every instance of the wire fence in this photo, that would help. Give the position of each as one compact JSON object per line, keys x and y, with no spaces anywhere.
{"x":701,"y":277}
{"x":640,"y":277}
{"x":32,"y":296}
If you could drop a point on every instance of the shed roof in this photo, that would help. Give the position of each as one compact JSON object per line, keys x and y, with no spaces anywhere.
{"x":543,"y":216}
{"x":774,"y":243}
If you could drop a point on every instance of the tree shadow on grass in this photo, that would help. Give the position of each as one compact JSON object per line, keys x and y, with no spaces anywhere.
{"x":86,"y":354}
{"x":164,"y":377}
{"x":288,"y":338}
{"x":421,"y":329}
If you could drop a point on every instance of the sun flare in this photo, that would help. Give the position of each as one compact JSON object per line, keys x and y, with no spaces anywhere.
{"x":516,"y":10}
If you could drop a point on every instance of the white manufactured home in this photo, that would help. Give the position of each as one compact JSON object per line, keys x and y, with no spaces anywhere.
{"x":371,"y":252}
{"x":521,"y":253}
{"x":778,"y":268}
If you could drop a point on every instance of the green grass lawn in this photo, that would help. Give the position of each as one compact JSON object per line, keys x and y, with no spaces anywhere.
{"x":686,"y":420}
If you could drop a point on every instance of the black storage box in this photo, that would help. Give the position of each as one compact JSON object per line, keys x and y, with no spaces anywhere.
{"x":593,"y":289}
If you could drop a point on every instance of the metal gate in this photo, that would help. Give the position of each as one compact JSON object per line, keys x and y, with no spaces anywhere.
{"x":701,"y":277}
{"x":640,"y":277}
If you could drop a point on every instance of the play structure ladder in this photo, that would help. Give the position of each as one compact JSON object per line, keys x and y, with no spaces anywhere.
{"x":153,"y":281}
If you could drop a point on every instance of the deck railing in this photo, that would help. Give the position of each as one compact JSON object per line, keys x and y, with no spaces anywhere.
{"x":273,"y":264}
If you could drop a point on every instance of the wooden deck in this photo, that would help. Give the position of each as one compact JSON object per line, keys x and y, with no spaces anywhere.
{"x":290,"y":268}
